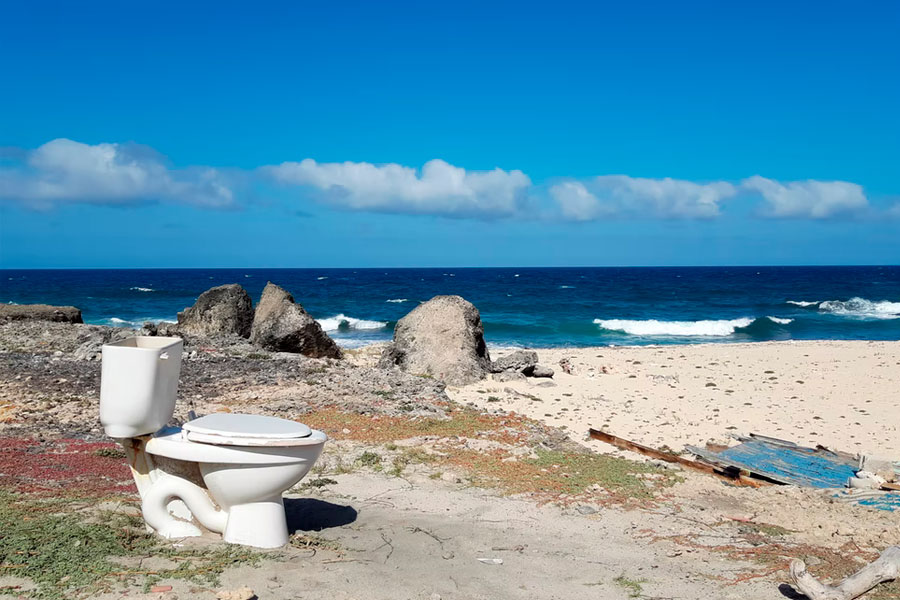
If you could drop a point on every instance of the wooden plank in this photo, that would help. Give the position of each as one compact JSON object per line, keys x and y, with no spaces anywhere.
{"x":624,"y":444}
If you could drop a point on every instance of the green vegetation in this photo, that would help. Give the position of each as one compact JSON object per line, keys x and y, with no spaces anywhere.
{"x":110,"y":452}
{"x":634,"y":587}
{"x":69,"y":553}
{"x":369,"y":459}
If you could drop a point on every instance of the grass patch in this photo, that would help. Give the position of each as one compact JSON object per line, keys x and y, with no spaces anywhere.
{"x":634,"y":587}
{"x":318,"y":482}
{"x":66,"y":553}
{"x":311,"y":541}
{"x":369,"y":459}
{"x":110,"y":452}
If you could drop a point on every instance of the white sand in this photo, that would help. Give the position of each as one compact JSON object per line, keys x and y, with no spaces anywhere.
{"x":843,"y":395}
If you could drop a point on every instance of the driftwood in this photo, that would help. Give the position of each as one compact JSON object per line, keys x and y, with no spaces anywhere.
{"x":885,"y":568}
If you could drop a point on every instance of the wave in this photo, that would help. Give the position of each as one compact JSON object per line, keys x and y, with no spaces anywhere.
{"x":705,"y":328}
{"x":803,"y":303}
{"x":343,"y":322}
{"x":142,"y":289}
{"x":566,"y":287}
{"x":133,"y":323}
{"x":398,"y":300}
{"x":860,"y":307}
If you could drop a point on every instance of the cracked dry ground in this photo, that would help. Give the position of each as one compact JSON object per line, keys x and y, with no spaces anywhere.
{"x":415,"y":497}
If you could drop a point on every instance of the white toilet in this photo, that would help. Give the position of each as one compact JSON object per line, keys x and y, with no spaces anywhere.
{"x":245,"y":462}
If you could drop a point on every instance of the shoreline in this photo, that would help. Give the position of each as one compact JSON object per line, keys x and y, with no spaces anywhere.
{"x":840,"y":394}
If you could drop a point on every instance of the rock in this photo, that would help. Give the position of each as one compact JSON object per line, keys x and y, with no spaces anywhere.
{"x":281,"y":325}
{"x":222,"y":310}
{"x":508,"y":376}
{"x":539,"y":371}
{"x":517,"y":361}
{"x":243,"y":593}
{"x":443,"y":338}
{"x":40,"y":312}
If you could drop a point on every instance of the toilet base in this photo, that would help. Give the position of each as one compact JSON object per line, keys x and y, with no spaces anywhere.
{"x":260,"y":524}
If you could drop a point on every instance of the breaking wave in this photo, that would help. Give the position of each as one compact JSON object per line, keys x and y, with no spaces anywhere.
{"x":141,"y":289}
{"x":343,"y":322}
{"x":706,"y":328}
{"x":854,"y":307}
{"x":398,"y":300}
{"x":860,"y":307}
{"x":132,"y":323}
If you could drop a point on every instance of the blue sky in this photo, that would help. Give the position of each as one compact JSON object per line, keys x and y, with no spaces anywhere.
{"x":373,"y":134}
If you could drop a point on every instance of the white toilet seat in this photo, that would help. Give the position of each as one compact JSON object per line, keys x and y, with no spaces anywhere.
{"x":182,"y":444}
{"x":232,"y":429}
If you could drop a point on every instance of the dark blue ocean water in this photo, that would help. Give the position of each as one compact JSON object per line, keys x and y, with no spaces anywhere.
{"x":524,"y":306}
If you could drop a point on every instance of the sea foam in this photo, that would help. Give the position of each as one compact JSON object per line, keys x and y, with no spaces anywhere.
{"x":860,"y":307}
{"x":397,"y":300}
{"x":141,"y":289}
{"x":338,"y":321}
{"x":706,"y":328}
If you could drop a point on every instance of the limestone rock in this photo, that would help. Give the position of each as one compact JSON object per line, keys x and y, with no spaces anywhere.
{"x":517,"y":361}
{"x":40,"y":312}
{"x":539,"y":371}
{"x":222,"y":310}
{"x":443,"y":338}
{"x":282,"y":325}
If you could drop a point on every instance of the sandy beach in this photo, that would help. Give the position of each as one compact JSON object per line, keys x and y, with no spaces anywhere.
{"x":840,"y":394}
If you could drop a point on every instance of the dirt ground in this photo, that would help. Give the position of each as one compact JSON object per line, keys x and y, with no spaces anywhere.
{"x":419,"y":497}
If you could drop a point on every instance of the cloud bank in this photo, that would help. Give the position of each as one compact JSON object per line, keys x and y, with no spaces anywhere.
{"x":807,"y":199}
{"x":64,"y":171}
{"x":439,"y":189}
{"x":608,"y":195}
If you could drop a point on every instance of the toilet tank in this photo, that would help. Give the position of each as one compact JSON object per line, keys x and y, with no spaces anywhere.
{"x":138,"y":385}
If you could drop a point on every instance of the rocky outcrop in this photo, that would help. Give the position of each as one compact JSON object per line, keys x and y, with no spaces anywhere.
{"x":40,"y":312}
{"x":443,"y":338}
{"x":222,"y":310}
{"x":282,"y":325}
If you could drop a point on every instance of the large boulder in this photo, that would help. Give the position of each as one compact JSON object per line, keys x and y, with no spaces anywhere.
{"x":282,"y":325}
{"x":40,"y":312}
{"x":444,"y":338}
{"x":222,"y":310}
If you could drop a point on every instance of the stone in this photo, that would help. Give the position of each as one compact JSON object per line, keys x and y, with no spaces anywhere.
{"x":539,"y":371}
{"x":282,"y":325}
{"x":504,"y":376}
{"x":441,"y":338}
{"x":40,"y":312}
{"x":242,"y":593}
{"x":222,"y":310}
{"x":517,"y":361}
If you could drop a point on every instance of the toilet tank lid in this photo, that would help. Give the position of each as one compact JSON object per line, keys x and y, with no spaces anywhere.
{"x":247,"y":426}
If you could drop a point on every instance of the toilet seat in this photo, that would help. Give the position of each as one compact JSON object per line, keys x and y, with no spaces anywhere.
{"x":232,"y":429}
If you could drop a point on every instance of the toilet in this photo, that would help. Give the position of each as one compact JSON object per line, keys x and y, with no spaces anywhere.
{"x":225,"y":472}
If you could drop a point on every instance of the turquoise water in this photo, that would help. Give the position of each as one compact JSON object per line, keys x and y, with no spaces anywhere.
{"x":537,"y":307}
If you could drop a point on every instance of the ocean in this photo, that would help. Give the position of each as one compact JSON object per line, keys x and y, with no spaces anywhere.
{"x":535,"y":307}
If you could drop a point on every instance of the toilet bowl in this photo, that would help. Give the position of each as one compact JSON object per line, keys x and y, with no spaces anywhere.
{"x":245,"y":462}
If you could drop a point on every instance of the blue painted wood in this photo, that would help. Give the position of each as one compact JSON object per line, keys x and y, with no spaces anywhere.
{"x":785,"y":462}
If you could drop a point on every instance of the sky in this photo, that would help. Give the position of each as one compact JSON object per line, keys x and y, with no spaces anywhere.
{"x":157,"y":134}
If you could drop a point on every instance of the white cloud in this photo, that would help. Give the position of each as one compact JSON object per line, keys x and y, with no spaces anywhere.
{"x":439,"y":189}
{"x":809,"y":199}
{"x":64,"y":171}
{"x":638,"y":196}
